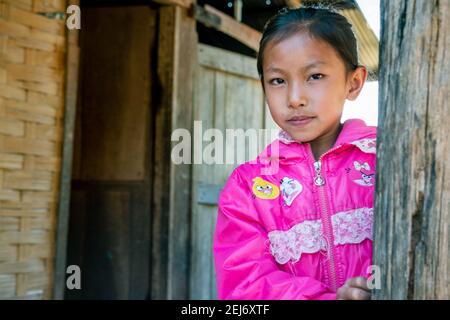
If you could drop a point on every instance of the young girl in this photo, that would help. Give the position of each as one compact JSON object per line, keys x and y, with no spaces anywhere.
{"x":305,"y":231}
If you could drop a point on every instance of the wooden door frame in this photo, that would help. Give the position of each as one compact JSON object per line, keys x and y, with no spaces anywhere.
{"x":177,"y":48}
{"x":72,"y":61}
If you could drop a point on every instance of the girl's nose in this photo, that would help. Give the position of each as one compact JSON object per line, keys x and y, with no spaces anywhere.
{"x":297,"y":97}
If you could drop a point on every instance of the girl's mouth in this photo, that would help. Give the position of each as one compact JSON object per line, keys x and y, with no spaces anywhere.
{"x":300,"y":121}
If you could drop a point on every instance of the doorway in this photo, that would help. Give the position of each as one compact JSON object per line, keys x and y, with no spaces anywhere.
{"x":110,"y":212}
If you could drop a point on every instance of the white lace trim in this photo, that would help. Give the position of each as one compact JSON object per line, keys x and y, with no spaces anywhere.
{"x":366,"y":145}
{"x":305,"y":237}
{"x":352,"y":226}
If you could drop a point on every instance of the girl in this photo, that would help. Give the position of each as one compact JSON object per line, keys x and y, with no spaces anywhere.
{"x":305,"y":231}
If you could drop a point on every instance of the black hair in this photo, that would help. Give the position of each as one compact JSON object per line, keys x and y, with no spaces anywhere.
{"x":322,"y":23}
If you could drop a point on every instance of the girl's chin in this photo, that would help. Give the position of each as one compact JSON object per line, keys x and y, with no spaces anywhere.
{"x":302,"y":138}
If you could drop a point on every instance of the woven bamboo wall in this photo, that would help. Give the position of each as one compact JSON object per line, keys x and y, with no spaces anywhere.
{"x":32,"y":54}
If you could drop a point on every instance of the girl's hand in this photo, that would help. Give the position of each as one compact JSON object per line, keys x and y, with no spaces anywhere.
{"x":354,"y":289}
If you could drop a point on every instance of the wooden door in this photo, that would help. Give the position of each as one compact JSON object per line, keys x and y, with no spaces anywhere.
{"x":110,"y":218}
{"x":228,"y":95}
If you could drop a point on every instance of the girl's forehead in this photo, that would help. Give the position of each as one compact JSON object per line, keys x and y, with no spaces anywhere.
{"x":300,"y":49}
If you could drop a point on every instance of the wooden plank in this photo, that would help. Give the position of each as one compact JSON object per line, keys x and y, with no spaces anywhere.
{"x":257,"y":118}
{"x":245,"y":34}
{"x":412,"y":208}
{"x":236,"y":117}
{"x":226,"y":61}
{"x":200,"y":278}
{"x":176,"y":63}
{"x":219,"y":98}
{"x":163,"y":128}
{"x":220,"y":171}
{"x":186,"y":56}
{"x":182,"y":3}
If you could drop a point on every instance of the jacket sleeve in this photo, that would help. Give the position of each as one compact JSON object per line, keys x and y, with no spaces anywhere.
{"x":245,"y":269}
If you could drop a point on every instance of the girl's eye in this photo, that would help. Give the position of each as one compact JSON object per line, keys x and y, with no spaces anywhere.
{"x":316,"y":76}
{"x":276,"y":81}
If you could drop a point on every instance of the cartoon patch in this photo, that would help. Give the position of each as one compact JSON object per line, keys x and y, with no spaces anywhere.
{"x":364,"y":177}
{"x":264,"y":189}
{"x":290,"y":189}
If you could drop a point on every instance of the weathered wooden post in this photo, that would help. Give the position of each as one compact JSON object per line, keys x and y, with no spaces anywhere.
{"x":412,"y":219}
{"x":177,"y":49}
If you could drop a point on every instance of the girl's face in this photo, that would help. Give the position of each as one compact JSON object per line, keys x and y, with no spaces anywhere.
{"x":306,"y":84}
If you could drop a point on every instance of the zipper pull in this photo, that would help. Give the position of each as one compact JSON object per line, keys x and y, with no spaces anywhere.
{"x":318,"y":179}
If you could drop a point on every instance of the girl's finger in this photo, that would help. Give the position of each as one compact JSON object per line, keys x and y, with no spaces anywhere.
{"x":344,"y":293}
{"x":358,"y":282}
{"x":359,"y":294}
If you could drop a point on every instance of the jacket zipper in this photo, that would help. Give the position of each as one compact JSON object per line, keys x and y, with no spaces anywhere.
{"x":319,"y":181}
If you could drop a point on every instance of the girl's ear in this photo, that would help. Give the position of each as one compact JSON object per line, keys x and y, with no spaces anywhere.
{"x":356,"y":82}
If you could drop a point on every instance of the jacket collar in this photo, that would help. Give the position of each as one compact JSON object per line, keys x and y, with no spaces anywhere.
{"x":354,"y":132}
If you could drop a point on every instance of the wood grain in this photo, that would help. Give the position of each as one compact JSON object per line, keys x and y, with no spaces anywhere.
{"x":412,"y":220}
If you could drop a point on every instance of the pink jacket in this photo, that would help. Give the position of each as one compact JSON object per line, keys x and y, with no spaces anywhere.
{"x":301,"y":231}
